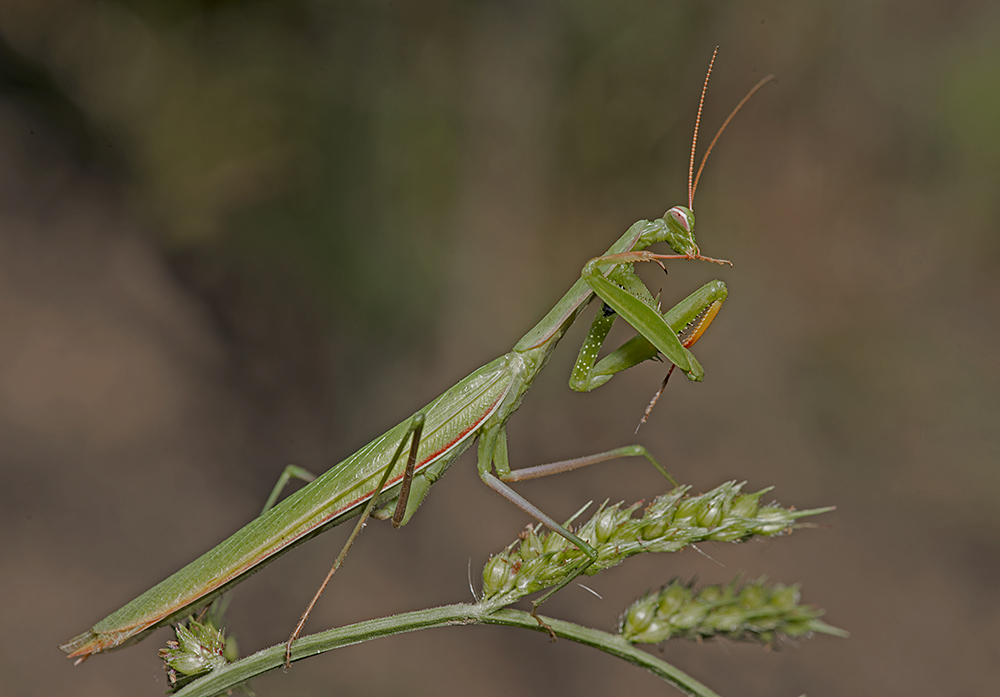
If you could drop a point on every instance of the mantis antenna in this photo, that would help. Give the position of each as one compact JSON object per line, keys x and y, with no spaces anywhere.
{"x":694,"y":140}
{"x":693,"y":183}
{"x":693,"y":186}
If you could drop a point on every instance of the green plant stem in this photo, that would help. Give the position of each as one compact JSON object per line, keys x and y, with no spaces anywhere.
{"x":613,"y":644}
{"x":233,"y":674}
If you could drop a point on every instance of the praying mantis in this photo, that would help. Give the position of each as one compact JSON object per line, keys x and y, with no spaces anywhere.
{"x":378,"y":481}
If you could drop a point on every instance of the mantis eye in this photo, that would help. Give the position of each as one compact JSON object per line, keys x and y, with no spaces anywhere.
{"x":680,"y":216}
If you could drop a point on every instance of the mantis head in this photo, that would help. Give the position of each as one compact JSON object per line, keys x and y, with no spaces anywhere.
{"x":679,"y":221}
{"x":679,"y":232}
{"x":676,"y":228}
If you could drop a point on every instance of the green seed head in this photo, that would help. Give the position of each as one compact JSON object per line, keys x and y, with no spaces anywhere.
{"x":758,"y":612}
{"x":671,"y":522}
{"x":198,"y":648}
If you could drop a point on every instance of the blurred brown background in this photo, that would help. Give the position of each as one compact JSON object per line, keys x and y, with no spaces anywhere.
{"x":237,"y":234}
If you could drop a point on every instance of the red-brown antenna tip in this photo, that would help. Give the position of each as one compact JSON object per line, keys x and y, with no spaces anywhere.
{"x":697,"y":122}
{"x":711,"y":145}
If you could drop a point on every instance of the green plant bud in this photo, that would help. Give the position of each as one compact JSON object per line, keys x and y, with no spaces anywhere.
{"x":189,"y":663}
{"x":198,"y":649}
{"x":712,"y":594}
{"x":656,"y":632}
{"x":525,"y":584}
{"x":753,"y":596}
{"x":639,"y":615}
{"x":799,"y":627}
{"x":554,"y":543}
{"x":710,"y":515}
{"x":531,"y":546}
{"x":688,"y":511}
{"x":730,"y":531}
{"x":672,"y":599}
{"x":496,"y":573}
{"x":538,"y":574}
{"x":768,"y":621}
{"x":726,"y":619}
{"x":770,"y":520}
{"x":688,"y":617}
{"x":745,"y":505}
{"x":564,"y":556}
{"x":785,"y":598}
{"x":714,"y":508}
{"x":606,"y":523}
{"x":651,"y":531}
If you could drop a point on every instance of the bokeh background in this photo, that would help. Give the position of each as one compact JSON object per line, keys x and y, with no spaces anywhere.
{"x":236,"y":234}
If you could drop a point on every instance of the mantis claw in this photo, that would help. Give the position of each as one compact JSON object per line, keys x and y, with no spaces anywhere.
{"x":721,"y":262}
{"x":542,"y":624}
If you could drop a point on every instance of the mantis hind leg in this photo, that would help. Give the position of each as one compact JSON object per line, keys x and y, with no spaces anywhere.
{"x":577,"y":462}
{"x":493,"y":452}
{"x":289,"y":473}
{"x":415,"y":428}
{"x":536,"y":513}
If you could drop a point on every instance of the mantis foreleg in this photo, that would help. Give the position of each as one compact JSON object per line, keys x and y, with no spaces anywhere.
{"x":684,"y":323}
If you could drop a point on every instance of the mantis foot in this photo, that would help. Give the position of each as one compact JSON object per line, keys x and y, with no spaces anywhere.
{"x":542,"y":624}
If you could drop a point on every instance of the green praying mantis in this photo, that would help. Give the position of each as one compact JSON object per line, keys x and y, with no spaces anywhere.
{"x":378,"y":481}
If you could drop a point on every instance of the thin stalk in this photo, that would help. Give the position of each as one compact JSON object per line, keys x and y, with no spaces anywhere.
{"x":227,"y":678}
